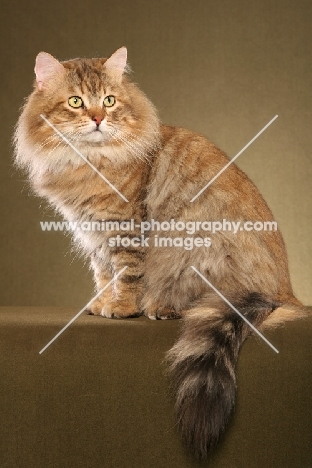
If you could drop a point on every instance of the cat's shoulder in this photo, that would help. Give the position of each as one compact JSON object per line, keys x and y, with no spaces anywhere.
{"x":189,"y":140}
{"x":170,"y":132}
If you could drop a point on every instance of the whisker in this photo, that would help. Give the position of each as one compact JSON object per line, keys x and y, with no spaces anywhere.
{"x":133,"y":148}
{"x":146,"y":143}
{"x":147,"y":147}
{"x":69,"y":135}
{"x":74,"y":137}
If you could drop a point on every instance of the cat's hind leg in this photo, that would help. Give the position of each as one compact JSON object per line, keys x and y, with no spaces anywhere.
{"x":162,"y":313}
{"x":155,"y":310}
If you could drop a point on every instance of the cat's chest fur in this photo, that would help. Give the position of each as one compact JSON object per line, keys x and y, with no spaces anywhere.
{"x":77,"y":189}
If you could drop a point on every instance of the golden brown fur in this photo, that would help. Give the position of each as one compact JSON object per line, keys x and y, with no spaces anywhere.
{"x":159,"y":169}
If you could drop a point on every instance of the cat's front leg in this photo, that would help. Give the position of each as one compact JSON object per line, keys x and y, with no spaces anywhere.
{"x":122,"y":298}
{"x":102,"y":279}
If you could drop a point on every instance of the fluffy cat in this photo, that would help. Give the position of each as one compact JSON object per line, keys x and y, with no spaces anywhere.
{"x":158,"y":169}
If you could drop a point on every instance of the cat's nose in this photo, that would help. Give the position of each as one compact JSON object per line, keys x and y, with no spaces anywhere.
{"x":97,"y":119}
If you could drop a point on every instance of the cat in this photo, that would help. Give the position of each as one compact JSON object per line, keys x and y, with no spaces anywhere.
{"x":152,"y":172}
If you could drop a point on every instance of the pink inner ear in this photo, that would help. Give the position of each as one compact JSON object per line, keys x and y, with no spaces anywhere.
{"x":46,"y":67}
{"x":118,"y":60}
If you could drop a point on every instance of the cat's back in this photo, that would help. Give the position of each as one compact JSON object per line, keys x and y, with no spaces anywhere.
{"x":195,"y":157}
{"x":181,"y":139}
{"x":188,"y":153}
{"x":187,"y":162}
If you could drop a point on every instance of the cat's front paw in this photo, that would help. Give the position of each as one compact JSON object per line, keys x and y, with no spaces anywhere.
{"x":120,"y":310}
{"x":95,"y":308}
{"x":161,"y":313}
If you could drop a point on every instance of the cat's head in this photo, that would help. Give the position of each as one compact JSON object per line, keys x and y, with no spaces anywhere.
{"x":91,"y":102}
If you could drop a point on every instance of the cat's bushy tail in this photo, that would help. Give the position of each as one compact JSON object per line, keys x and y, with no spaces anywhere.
{"x":202,"y":365}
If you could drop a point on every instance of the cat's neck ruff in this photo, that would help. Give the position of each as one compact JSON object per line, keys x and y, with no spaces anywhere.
{"x":57,"y":160}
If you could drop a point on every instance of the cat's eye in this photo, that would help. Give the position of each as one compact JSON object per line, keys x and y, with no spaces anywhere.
{"x":75,"y":101}
{"x":109,"y":101}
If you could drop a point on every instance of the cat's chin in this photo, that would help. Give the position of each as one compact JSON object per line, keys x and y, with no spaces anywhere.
{"x":95,"y":137}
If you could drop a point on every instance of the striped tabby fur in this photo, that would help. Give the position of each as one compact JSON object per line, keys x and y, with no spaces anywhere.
{"x":158,"y":168}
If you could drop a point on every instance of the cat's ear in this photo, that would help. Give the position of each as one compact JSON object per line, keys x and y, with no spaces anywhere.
{"x":46,"y":67}
{"x":117,"y":63}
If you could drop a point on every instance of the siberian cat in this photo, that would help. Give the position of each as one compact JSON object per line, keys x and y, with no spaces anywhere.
{"x":158,"y":169}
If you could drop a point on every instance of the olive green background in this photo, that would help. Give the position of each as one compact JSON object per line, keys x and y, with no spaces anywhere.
{"x":221,"y":68}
